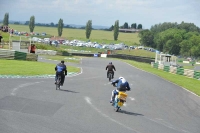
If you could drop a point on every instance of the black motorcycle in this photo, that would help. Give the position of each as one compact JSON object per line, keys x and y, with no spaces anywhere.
{"x":110,"y":75}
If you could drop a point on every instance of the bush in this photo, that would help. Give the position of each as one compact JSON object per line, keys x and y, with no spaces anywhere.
{"x":60,"y":50}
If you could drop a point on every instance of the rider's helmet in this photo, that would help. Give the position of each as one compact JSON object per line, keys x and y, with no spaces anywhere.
{"x":110,"y":62}
{"x":121,"y":77}
{"x":62,"y":61}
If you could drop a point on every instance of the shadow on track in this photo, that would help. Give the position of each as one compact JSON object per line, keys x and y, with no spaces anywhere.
{"x":68,"y":91}
{"x":129,"y":113}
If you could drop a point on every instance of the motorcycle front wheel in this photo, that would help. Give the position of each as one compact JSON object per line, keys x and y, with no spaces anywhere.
{"x":117,"y":109}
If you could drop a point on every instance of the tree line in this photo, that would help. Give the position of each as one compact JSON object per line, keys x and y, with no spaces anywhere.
{"x":60,"y":26}
{"x":126,"y":26}
{"x":173,"y":38}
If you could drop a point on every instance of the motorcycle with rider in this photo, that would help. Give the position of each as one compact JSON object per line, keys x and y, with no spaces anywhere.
{"x":118,"y":97}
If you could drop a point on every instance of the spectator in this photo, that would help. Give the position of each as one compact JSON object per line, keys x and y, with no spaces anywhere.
{"x":32,"y":48}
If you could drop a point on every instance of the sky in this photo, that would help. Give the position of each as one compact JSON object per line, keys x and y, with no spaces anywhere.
{"x":103,"y":12}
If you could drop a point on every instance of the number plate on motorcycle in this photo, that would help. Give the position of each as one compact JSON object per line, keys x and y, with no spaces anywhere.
{"x":120,"y":104}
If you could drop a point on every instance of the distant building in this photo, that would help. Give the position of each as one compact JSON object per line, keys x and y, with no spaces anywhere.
{"x":130,"y":30}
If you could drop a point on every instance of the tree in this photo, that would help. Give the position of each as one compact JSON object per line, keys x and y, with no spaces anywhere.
{"x":16,"y":23}
{"x":111,"y":28}
{"x":32,"y":24}
{"x":116,"y":30}
{"x":134,"y":25}
{"x":188,"y":27}
{"x":6,"y":19}
{"x":139,"y":26}
{"x":195,"y":43}
{"x":169,"y":40}
{"x":88,"y":29}
{"x":27,"y":23}
{"x":60,"y":27}
{"x":125,"y":25}
{"x":146,"y":38}
{"x":52,"y":24}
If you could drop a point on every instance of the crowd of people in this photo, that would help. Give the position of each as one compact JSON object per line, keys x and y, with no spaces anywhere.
{"x":6,"y":29}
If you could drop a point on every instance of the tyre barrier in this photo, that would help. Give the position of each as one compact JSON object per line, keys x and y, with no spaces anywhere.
{"x":179,"y":71}
{"x":166,"y":68}
{"x":173,"y":69}
{"x":196,"y":75}
{"x":161,"y":67}
{"x":188,"y":73}
{"x":155,"y":65}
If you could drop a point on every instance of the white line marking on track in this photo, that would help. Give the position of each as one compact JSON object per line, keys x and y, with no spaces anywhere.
{"x":107,"y":83}
{"x":21,"y":86}
{"x":164,"y":123}
{"x":132,"y":98}
{"x":88,"y":100}
{"x":156,"y":120}
{"x":185,"y":131}
{"x":78,"y":73}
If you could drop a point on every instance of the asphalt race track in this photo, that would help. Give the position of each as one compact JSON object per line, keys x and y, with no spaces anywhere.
{"x":82,"y":105}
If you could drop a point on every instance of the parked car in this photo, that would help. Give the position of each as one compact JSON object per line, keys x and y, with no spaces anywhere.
{"x":46,"y":40}
{"x":43,"y":34}
{"x":54,"y":43}
{"x":66,"y":42}
{"x":131,"y":47}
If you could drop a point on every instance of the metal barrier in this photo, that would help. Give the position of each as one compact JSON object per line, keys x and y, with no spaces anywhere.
{"x":17,"y":55}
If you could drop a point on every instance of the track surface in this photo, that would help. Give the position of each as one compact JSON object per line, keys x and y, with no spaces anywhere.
{"x":82,"y":105}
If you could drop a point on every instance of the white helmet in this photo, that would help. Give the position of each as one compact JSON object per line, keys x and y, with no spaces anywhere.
{"x":123,"y":79}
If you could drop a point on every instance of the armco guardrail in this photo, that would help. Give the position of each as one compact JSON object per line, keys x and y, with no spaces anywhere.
{"x":7,"y":54}
{"x":83,"y":54}
{"x":121,"y":56}
{"x":130,"y":57}
{"x":65,"y":53}
{"x":12,"y":54}
{"x":175,"y":70}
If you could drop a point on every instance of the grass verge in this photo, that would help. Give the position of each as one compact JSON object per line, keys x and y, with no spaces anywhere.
{"x":185,"y":82}
{"x":71,"y":59}
{"x":28,"y":68}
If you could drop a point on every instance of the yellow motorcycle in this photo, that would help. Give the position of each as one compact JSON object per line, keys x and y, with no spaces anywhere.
{"x":119,"y":101}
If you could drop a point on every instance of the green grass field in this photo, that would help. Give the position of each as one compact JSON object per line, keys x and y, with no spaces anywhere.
{"x":137,"y":52}
{"x":99,"y":36}
{"x":188,"y":83}
{"x":29,"y":68}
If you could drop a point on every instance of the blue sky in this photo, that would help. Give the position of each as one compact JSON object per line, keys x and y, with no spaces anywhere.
{"x":103,"y":12}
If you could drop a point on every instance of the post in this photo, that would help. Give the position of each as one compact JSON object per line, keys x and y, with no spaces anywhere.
{"x":156,"y":57}
{"x":9,"y":43}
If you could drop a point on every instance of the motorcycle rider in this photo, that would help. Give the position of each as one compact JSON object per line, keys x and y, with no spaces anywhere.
{"x":122,"y":85}
{"x":61,"y":69}
{"x":110,"y":68}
